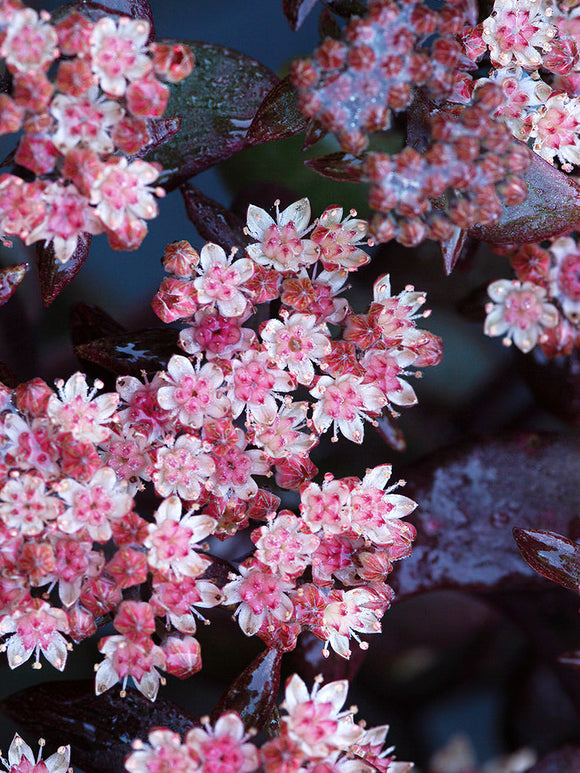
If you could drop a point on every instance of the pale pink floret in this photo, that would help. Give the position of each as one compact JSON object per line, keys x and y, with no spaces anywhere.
{"x":286,"y":544}
{"x":125,"y":658}
{"x":222,"y":281}
{"x":95,"y":505}
{"x":223,"y":748}
{"x":78,"y":411}
{"x":30,"y":42}
{"x":21,"y":759}
{"x":555,"y":130}
{"x":26,"y":505}
{"x":119,"y":53}
{"x":519,"y":312}
{"x":315,"y":720}
{"x":384,"y":368}
{"x":235,"y":465}
{"x":372,"y":509}
{"x":280,"y":244}
{"x":164,"y":753}
{"x":256,"y":383}
{"x":339,"y":240}
{"x":344,"y":403}
{"x":516,"y":31}
{"x":523,"y":96}
{"x":297,"y":343}
{"x":122,"y":193}
{"x":261,"y":594}
{"x":35,"y":630}
{"x":283,"y":436}
{"x":85,"y":121}
{"x":326,"y":507}
{"x":183,"y":469}
{"x":172,"y":540}
{"x":193,"y":393}
{"x":347,"y":613}
{"x":565,"y":276}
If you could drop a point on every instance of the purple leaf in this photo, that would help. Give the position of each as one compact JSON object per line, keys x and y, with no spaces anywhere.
{"x":565,"y":760}
{"x":90,"y":322}
{"x":161,"y":130}
{"x":328,"y":27}
{"x":552,"y":208}
{"x":278,"y":116}
{"x":343,"y":167}
{"x":454,"y":248}
{"x":131,"y":353}
{"x":314,"y":133}
{"x":213,"y":222}
{"x":217,"y":104}
{"x":551,"y":555}
{"x":253,"y":695}
{"x":10,"y":278}
{"x":99,"y":729}
{"x":55,"y":276}
{"x":296,"y":11}
{"x":471,"y":496}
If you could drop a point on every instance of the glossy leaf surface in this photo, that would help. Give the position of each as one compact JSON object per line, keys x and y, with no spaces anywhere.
{"x":278,"y":116}
{"x":99,"y":729}
{"x":343,"y":167}
{"x":10,"y":278}
{"x":551,"y":555}
{"x":55,"y":276}
{"x":131,"y":353}
{"x":217,"y":104}
{"x":254,"y":693}
{"x":472,"y":496}
{"x":551,"y":208}
{"x":212,"y":221}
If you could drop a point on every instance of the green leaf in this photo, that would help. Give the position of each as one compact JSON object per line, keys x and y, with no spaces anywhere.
{"x":217,"y":104}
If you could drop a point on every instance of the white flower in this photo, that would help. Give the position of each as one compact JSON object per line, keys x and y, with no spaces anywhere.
{"x":118,"y":53}
{"x":221,"y":281}
{"x":519,"y":313}
{"x":78,"y":411}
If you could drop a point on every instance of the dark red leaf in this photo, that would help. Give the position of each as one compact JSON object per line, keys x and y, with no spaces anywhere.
{"x":219,"y":570}
{"x":87,"y":323}
{"x":552,"y":208}
{"x":55,"y":276}
{"x":160,"y":131}
{"x":253,"y":695}
{"x":454,"y":248}
{"x":297,"y":10}
{"x":212,"y":221}
{"x":10,"y":278}
{"x":565,"y":760}
{"x":471,"y":496}
{"x":278,"y":116}
{"x":131,"y":353}
{"x":555,"y":382}
{"x":347,"y":8}
{"x":328,"y":27}
{"x":391,"y":433}
{"x":343,"y":167}
{"x":99,"y":729}
{"x":314,"y":133}
{"x":217,"y":104}
{"x":551,"y":555}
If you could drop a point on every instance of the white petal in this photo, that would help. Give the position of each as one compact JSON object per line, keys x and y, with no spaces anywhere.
{"x":149,"y":685}
{"x":296,"y":692}
{"x":258,"y":220}
{"x":297,"y":213}
{"x":105,"y":677}
{"x":335,"y":693}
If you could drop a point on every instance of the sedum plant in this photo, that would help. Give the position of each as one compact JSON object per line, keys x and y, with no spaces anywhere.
{"x":187,"y":474}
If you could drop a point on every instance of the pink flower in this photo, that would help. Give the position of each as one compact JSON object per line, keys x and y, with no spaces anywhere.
{"x":26,"y":505}
{"x":347,"y":613}
{"x":283,"y":436}
{"x":78,"y":411}
{"x":172,"y":540}
{"x":256,"y":382}
{"x":35,"y":629}
{"x":261,"y":594}
{"x":286,"y":544}
{"x":21,"y":759}
{"x":119,"y":54}
{"x":85,"y":121}
{"x":339,"y":240}
{"x":163,"y":754}
{"x":315,"y":720}
{"x":30,"y":42}
{"x":344,"y":402}
{"x":296,"y":343}
{"x":125,"y":658}
{"x":516,"y":30}
{"x":193,"y":394}
{"x":280,"y":243}
{"x":519,"y":312}
{"x":183,"y":469}
{"x":223,"y":748}
{"x":221,"y":281}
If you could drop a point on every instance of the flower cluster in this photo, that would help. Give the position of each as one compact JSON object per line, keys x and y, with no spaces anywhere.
{"x":81,"y":126}
{"x":199,"y":433}
{"x":471,"y":168}
{"x":315,"y":734}
{"x":541,"y":306}
{"x":353,"y":86}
